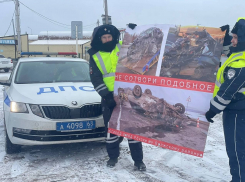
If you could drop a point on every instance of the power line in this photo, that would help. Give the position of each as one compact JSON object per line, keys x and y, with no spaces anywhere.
{"x":53,"y":21}
{"x":94,"y":25}
{"x":46,"y":18}
{"x":90,"y":25}
{"x":5,"y":1}
{"x":9,"y":25}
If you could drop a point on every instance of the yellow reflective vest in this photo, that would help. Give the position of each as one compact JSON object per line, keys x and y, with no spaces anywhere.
{"x":107,"y":63}
{"x":236,"y":60}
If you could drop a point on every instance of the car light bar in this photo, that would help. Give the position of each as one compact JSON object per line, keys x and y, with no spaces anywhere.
{"x":48,"y":53}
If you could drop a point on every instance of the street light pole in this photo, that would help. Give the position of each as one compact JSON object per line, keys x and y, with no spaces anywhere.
{"x":17,"y":20}
{"x":76,"y":41}
{"x":14,"y":40}
{"x":106,"y":13}
{"x":31,"y":29}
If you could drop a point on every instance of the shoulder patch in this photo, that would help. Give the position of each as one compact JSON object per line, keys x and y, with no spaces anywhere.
{"x":231,"y":73}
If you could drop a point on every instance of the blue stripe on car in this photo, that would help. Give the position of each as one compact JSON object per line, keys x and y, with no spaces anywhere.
{"x":7,"y":101}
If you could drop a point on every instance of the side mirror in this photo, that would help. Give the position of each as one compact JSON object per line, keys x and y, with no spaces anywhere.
{"x":4,"y":80}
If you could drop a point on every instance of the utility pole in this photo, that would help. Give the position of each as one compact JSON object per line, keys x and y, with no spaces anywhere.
{"x":76,"y":41}
{"x":17,"y":20}
{"x":14,"y":39}
{"x":98,"y":22}
{"x":106,"y":13}
{"x":47,"y":40}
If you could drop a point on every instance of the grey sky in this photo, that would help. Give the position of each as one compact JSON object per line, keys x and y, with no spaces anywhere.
{"x":213,"y":13}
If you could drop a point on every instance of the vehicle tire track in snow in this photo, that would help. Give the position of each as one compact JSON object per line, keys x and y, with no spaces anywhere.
{"x":168,"y":156}
{"x":171,"y":166}
{"x":127,"y":165}
{"x":143,"y":176}
{"x":176,"y":171}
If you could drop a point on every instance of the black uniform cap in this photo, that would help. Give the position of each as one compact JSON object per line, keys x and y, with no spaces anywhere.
{"x":102,"y":30}
{"x":239,"y":30}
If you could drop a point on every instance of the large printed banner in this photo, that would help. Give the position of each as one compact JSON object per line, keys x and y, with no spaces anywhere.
{"x":164,"y":83}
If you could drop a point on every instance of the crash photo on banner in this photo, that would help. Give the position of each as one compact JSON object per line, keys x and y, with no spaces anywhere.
{"x":164,"y":83}
{"x":141,"y":49}
{"x":192,"y":53}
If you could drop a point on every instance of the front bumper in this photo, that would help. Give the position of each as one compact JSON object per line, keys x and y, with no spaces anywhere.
{"x":51,"y":135}
{"x":42,"y":131}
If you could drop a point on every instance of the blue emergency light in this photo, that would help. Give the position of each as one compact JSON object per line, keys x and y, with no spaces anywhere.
{"x":48,"y":53}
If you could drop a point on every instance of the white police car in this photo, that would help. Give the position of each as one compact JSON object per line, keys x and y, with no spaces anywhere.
{"x":51,"y":100}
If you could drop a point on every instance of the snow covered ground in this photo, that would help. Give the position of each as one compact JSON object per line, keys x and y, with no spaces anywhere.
{"x":87,"y":162}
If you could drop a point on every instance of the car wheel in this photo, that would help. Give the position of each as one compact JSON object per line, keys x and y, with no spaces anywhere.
{"x":181,"y":108}
{"x":6,"y":70}
{"x":137,"y":91}
{"x":10,"y":148}
{"x":148,"y":92}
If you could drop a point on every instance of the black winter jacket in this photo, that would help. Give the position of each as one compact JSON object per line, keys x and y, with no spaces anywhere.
{"x":228,"y":97}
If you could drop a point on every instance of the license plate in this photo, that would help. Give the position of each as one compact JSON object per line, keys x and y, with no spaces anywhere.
{"x":77,"y":125}
{"x":5,"y":62}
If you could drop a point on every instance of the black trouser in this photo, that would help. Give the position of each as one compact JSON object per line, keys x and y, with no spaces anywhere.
{"x":234,"y":130}
{"x":112,"y":141}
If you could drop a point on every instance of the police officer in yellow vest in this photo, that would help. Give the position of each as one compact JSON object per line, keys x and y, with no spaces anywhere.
{"x":229,"y":97}
{"x":104,"y":54}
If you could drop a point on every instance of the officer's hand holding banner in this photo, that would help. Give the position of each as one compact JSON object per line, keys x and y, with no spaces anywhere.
{"x":164,"y":83}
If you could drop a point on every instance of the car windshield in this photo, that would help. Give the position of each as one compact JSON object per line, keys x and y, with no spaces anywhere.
{"x":52,"y":71}
{"x":1,"y":56}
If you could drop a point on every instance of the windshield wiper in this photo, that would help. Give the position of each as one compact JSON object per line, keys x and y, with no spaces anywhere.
{"x":33,"y":82}
{"x":72,"y":80}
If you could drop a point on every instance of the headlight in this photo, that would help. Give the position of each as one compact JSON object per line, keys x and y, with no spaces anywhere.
{"x":36,"y":110}
{"x":18,"y":107}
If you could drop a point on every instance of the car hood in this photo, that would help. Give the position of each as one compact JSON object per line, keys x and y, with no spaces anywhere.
{"x":55,"y":93}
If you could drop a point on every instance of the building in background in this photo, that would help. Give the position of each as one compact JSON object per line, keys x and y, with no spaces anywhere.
{"x":62,"y":35}
{"x":50,"y":41}
{"x":61,"y":46}
{"x":9,"y":49}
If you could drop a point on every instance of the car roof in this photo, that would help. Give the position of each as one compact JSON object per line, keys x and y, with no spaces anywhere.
{"x":50,"y":59}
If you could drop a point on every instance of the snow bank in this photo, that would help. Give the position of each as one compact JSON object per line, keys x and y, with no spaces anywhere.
{"x":59,"y":42}
{"x":32,"y":37}
{"x":61,"y":35}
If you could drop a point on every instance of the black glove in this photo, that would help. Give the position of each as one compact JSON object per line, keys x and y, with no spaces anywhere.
{"x":132,"y":25}
{"x":109,"y":99}
{"x":210,"y":114}
{"x":227,"y":39}
{"x":225,"y":27}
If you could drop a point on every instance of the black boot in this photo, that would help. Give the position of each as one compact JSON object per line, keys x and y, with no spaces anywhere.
{"x":111,"y":162}
{"x":139,"y":165}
